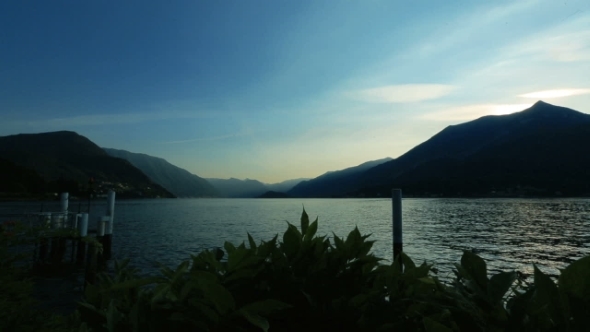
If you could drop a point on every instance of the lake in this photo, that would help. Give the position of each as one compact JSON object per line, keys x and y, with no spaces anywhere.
{"x":508,"y":233}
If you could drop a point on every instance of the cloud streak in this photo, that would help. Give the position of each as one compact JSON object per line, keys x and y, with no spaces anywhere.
{"x":403,"y":93}
{"x":556,"y":93}
{"x":204,"y":139}
{"x":112,"y":119}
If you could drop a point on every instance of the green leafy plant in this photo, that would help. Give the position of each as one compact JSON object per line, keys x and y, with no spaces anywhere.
{"x":302,"y":281}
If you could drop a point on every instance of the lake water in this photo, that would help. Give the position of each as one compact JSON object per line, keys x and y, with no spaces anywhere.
{"x":508,"y":233}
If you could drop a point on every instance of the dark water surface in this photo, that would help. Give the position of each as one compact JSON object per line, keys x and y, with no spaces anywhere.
{"x":508,"y":233}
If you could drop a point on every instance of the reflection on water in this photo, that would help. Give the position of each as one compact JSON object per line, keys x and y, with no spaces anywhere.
{"x":508,"y":233}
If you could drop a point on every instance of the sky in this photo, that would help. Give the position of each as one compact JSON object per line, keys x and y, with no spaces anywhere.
{"x":276,"y":90}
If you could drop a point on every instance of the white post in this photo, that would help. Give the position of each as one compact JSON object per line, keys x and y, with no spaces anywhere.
{"x":84,"y":225}
{"x":110,"y":211}
{"x":101,"y":227}
{"x":396,"y":204}
{"x":64,"y":202}
{"x":64,"y":198}
{"x":77,"y":220}
{"x":81,"y":252}
{"x":107,"y":241}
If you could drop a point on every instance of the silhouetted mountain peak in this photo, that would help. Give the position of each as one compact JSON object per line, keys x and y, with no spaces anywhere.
{"x":540,"y":103}
{"x":543,"y":109}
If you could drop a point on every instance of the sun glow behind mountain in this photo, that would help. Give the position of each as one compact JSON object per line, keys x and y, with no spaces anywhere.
{"x":508,"y":109}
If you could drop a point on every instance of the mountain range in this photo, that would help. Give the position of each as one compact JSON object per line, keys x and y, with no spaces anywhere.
{"x":333,"y":182}
{"x":66,"y":161}
{"x":541,"y":151}
{"x":236,"y":188}
{"x":176,"y":180}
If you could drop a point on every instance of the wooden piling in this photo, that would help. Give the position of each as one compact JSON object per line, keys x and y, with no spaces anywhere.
{"x":64,"y":199}
{"x":100,"y":236}
{"x":82,"y":232}
{"x":396,"y":204}
{"x":108,"y":236}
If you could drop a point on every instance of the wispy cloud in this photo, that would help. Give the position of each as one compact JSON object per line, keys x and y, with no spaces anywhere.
{"x":457,"y":33}
{"x":568,"y":41}
{"x":404,"y":93}
{"x":111,"y":119}
{"x":240,"y":133}
{"x":556,"y":93}
{"x":472,"y":112}
{"x":203,"y":139}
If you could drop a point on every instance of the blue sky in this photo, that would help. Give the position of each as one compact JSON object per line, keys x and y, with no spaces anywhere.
{"x":273,"y":90}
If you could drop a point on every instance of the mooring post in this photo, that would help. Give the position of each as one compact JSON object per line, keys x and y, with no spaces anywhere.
{"x":64,"y":205}
{"x":396,"y":204}
{"x":100,"y":236}
{"x":83,"y":231}
{"x":108,"y":236}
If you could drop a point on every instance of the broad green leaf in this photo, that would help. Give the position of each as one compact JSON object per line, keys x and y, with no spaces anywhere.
{"x":358,"y":300}
{"x":221,"y":298}
{"x":339,"y":243}
{"x":499,"y":285}
{"x":256,"y":320}
{"x":240,"y":274}
{"x":186,"y":289}
{"x":166,"y":271}
{"x":251,"y":241}
{"x":476,"y":269}
{"x":365,"y":248}
{"x":181,"y":270}
{"x":219,"y":254}
{"x":92,"y":294}
{"x":407,"y":262}
{"x":121,"y":265}
{"x":354,"y":238}
{"x":265,"y":307}
{"x":91,"y":308}
{"x":229,"y":247}
{"x":291,"y":240}
{"x":434,"y":326}
{"x":546,"y":296}
{"x":427,"y":280}
{"x":575,"y":279}
{"x":177,"y":317}
{"x":134,"y":283}
{"x":113,"y":316}
{"x":311,"y":230}
{"x":204,"y":276}
{"x":160,"y":293}
{"x":205,"y":311}
{"x":304,"y":221}
{"x":236,"y":258}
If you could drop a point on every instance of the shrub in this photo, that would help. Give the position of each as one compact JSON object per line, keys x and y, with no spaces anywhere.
{"x":305,"y":282}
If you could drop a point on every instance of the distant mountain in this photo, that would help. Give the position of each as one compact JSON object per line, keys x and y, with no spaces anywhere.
{"x":539,"y":151}
{"x":284,"y":186}
{"x":236,"y":188}
{"x":18,"y":180}
{"x":334,"y":182}
{"x":273,"y":194}
{"x":66,"y":160}
{"x":178,"y":181}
